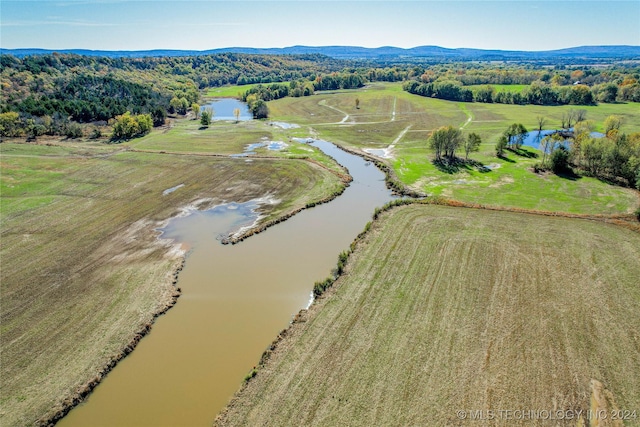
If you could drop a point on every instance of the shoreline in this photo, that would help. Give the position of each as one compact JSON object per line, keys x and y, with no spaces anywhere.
{"x":81,"y":393}
{"x":286,"y":335}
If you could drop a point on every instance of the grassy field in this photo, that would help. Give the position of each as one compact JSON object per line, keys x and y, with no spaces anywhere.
{"x":390,"y":117}
{"x":484,"y":311}
{"x":228,"y":138}
{"x":82,"y":270}
{"x":231,"y":91}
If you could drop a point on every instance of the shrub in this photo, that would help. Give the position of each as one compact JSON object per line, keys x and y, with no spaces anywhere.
{"x":251,"y":375}
{"x":205,"y":117}
{"x":320,"y":287}
{"x":95,"y":133}
{"x":73,"y":130}
{"x":560,"y":159}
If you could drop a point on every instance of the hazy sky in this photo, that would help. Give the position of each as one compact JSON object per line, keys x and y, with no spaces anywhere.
{"x":200,"y":25}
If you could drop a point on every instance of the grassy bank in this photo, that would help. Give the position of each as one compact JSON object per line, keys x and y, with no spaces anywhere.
{"x":82,"y":271}
{"x":494,"y":310}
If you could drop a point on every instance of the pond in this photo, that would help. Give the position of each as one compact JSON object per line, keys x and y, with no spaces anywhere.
{"x":224,"y":107}
{"x":249,"y":149}
{"x":534,"y":138}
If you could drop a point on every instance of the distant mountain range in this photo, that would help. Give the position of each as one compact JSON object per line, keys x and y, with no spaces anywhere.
{"x":379,"y":53}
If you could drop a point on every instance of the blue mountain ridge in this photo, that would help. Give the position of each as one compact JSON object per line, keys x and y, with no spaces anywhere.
{"x":355,"y":52}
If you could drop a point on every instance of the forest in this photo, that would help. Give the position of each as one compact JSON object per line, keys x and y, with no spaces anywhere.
{"x":53,"y":94}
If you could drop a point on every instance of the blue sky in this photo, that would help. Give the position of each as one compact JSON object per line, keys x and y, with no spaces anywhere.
{"x":200,"y":25}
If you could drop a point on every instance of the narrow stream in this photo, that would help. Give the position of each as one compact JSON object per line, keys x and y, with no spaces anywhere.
{"x":235,"y":299}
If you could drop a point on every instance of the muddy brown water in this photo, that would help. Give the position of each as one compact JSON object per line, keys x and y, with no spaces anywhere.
{"x":235,"y":299}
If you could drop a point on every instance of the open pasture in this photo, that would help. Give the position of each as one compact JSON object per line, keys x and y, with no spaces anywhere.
{"x":82,"y":269}
{"x":444,"y":309}
{"x":402,"y":121}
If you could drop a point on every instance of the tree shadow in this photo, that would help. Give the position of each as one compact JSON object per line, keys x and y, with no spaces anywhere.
{"x":457,"y":164}
{"x":611,"y":180}
{"x":568,"y":174}
{"x":506,"y":159}
{"x":522,"y":152}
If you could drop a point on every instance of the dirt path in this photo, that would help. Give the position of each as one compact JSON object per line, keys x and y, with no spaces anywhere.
{"x":469,"y":118}
{"x":344,"y":119}
{"x":387,"y":151}
{"x":393,"y":114}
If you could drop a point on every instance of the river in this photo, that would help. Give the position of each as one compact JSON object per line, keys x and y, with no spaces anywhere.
{"x":235,"y":299}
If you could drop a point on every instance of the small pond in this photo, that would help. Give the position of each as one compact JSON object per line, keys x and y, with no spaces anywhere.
{"x":534,"y":137}
{"x":283,"y":125}
{"x":224,"y":107}
{"x":271,"y":145}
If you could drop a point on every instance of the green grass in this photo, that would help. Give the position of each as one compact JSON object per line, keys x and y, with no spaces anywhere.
{"x":82,"y":269}
{"x":227,"y":138}
{"x":446,"y":309}
{"x":231,"y":91}
{"x":219,"y":138}
{"x":69,"y":208}
{"x":511,"y":184}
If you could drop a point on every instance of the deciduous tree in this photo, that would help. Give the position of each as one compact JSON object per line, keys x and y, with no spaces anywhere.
{"x":206,"y":116}
{"x":515,"y":135}
{"x":472,"y":143}
{"x":501,"y":145}
{"x":127,"y":126}
{"x":444,"y":141}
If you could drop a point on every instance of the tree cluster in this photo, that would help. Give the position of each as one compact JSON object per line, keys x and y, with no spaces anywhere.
{"x":537,"y":94}
{"x":336,"y":81}
{"x":615,"y":157}
{"x":127,"y":126}
{"x":446,"y":140}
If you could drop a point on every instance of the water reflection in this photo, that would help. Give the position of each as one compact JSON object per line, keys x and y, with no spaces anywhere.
{"x":224,"y":109}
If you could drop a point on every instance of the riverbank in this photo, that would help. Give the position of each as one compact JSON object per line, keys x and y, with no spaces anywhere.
{"x":393,"y":343}
{"x":83,"y":276}
{"x":184,"y":372}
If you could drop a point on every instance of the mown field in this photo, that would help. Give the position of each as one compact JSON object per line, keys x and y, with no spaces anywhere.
{"x":447,"y":309}
{"x":226,"y":138}
{"x":82,"y":270}
{"x":388,"y":116}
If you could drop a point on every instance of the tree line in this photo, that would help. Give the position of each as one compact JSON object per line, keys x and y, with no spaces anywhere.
{"x":257,"y":96}
{"x":623,"y":89}
{"x":537,"y":93}
{"x":52,"y":93}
